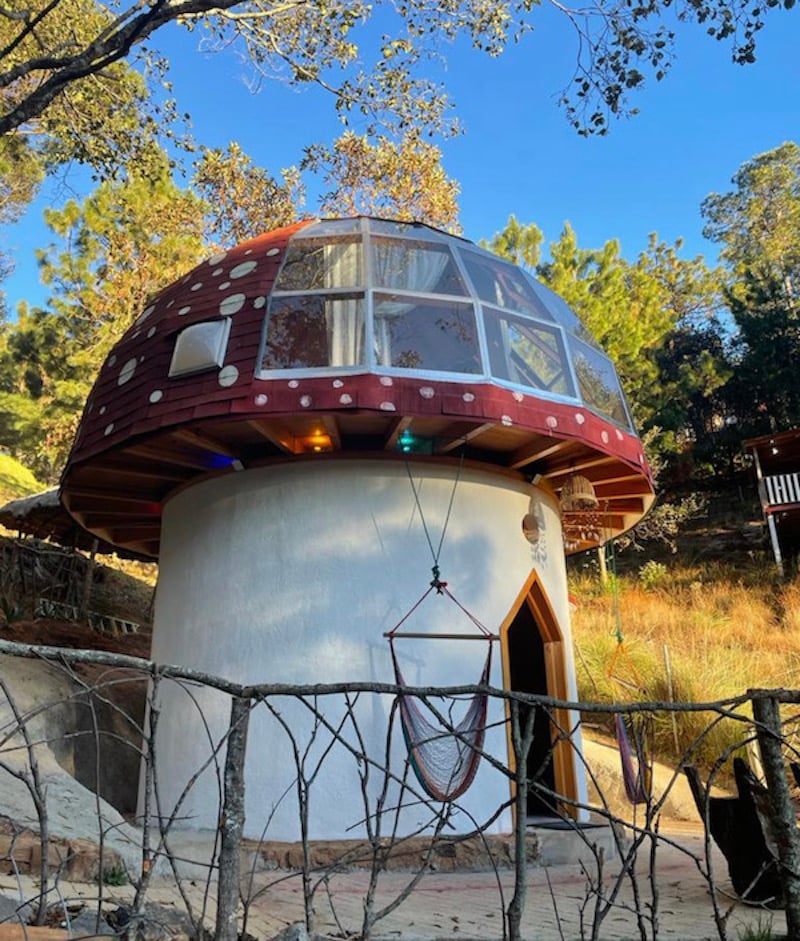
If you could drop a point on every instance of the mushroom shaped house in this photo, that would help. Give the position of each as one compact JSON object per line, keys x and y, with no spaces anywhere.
{"x":306,"y":431}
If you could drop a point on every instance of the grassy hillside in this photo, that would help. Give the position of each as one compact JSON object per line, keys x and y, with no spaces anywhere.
{"x":16,"y":480}
{"x":709,"y":630}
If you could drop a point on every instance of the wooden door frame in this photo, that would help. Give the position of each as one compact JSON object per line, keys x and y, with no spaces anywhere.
{"x":534,"y":595}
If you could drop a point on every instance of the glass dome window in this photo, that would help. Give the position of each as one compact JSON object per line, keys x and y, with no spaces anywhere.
{"x":426,"y":334}
{"x":527,"y":353}
{"x":314,"y":331}
{"x":598,"y":384}
{"x":316,"y":265}
{"x":412,"y":265}
{"x":504,"y":285}
{"x":370,"y":294}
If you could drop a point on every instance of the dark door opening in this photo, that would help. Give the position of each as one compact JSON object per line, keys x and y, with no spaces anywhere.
{"x":528,"y":674}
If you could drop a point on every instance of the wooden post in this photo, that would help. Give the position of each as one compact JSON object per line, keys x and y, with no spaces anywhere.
{"x":231,"y":823}
{"x":782,"y":816}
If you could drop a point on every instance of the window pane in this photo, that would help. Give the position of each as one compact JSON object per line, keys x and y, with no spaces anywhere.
{"x":409,"y":265}
{"x":504,"y":285}
{"x":598,"y":383}
{"x":413,"y":333}
{"x":527,"y":353}
{"x":314,"y":265}
{"x":565,"y":315}
{"x":307,"y":332}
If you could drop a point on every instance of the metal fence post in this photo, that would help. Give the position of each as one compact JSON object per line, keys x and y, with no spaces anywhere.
{"x":766,"y":713}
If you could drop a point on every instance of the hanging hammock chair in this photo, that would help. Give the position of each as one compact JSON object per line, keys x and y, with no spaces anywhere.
{"x":635,"y":767}
{"x":629,"y":732}
{"x":443,"y":757}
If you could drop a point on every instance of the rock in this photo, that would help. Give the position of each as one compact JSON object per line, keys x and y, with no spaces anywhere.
{"x":295,"y":932}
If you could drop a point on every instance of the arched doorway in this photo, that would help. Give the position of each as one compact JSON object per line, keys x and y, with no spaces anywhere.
{"x":534,"y":662}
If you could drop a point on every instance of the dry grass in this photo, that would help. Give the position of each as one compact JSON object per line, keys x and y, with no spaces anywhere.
{"x":721,"y":632}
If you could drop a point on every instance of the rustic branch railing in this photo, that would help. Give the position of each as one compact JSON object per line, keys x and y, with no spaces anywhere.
{"x":224,"y":903}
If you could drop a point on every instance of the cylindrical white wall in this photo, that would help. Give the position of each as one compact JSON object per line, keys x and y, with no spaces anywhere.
{"x":292,"y":574}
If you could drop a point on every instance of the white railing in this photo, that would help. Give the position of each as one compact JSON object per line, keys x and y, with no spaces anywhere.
{"x":783,"y":488}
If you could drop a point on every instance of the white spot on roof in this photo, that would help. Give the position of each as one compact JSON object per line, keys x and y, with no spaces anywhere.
{"x":620,"y":435}
{"x":337,"y":383}
{"x":217,"y":272}
{"x":506,"y":420}
{"x":346,"y":399}
{"x":261,"y":399}
{"x":112,"y":359}
{"x":127,"y":371}
{"x":517,"y":396}
{"x":141,"y":359}
{"x":551,"y":421}
{"x":102,"y":410}
{"x":109,"y":428}
{"x":249,"y":251}
{"x":580,"y":418}
{"x":259,"y":302}
{"x":156,"y":396}
{"x":604,"y":436}
{"x":386,"y":381}
{"x":293,"y":383}
{"x":306,"y":401}
{"x":151,"y":332}
{"x":196,"y":286}
{"x":184,"y":310}
{"x":427,"y":392}
{"x":244,"y":268}
{"x":232,"y":304}
{"x":170,"y":303}
{"x":224,"y":286}
{"x":145,"y":314}
{"x":136,"y":334}
{"x":273,"y":252}
{"x":217,"y":259}
{"x":228,"y":375}
{"x":468,"y":397}
{"x":388,"y":407}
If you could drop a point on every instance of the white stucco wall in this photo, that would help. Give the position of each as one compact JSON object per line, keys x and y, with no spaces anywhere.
{"x":292,"y":574}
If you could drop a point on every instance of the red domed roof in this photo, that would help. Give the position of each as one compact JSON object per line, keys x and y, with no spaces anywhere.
{"x":198,"y":386}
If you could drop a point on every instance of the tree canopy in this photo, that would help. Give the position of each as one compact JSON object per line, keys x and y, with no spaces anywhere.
{"x":61,"y":56}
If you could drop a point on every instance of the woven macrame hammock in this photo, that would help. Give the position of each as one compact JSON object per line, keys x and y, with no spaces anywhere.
{"x":444,"y":760}
{"x":635,"y":768}
{"x":443,"y":757}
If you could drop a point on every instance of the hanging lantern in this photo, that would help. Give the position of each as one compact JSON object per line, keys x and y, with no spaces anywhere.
{"x":577,"y":495}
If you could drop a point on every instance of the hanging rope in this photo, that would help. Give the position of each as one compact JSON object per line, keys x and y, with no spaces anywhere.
{"x":444,"y":760}
{"x":435,"y":553}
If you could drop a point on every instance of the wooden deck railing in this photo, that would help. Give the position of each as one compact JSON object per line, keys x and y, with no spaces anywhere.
{"x":782,"y":489}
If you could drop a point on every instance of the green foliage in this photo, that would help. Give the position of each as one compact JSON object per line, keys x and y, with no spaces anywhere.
{"x":401,"y":179}
{"x":15,"y":479}
{"x":243,"y":200}
{"x":115,"y":875}
{"x":758,"y":225}
{"x":65,"y":56}
{"x":123,"y":244}
{"x":759,"y":930}
{"x":518,"y":242}
{"x":654,"y":575}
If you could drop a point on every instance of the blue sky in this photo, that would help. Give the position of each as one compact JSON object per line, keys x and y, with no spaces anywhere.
{"x":518,"y":153}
